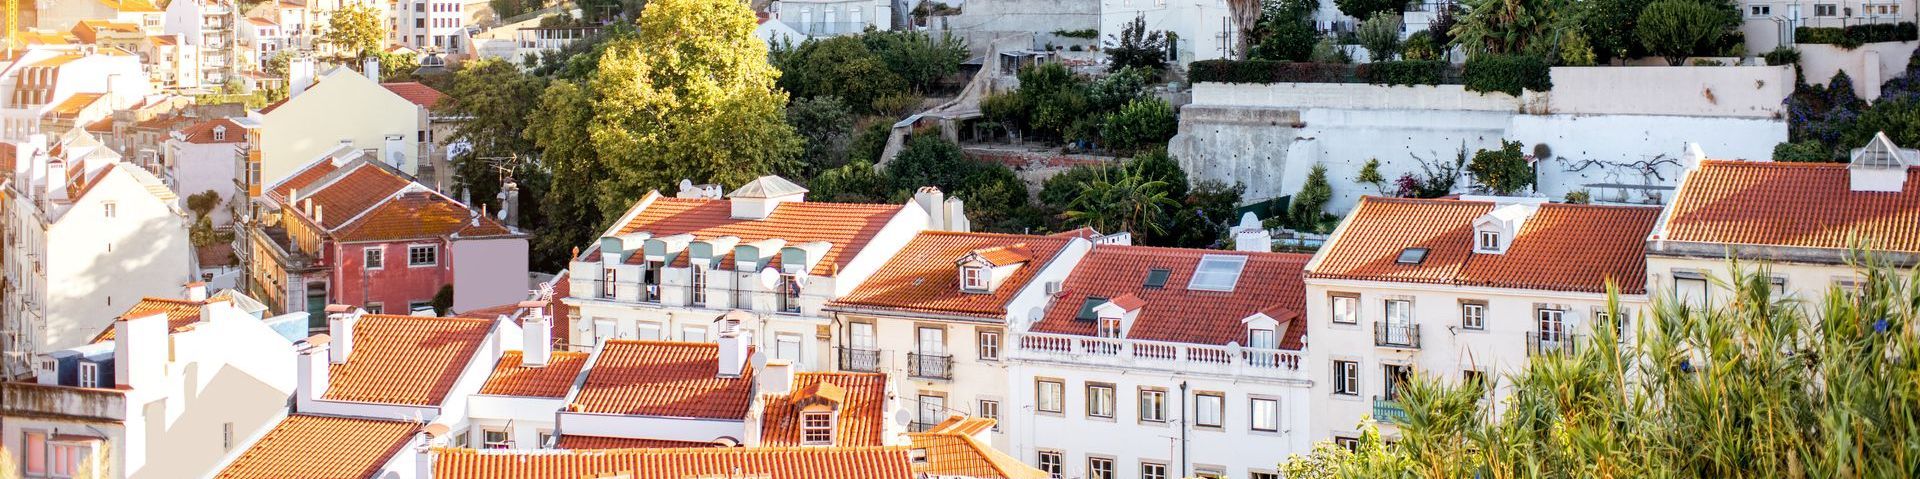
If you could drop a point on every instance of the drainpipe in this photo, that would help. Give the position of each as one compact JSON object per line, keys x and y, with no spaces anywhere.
{"x":1185,"y":462}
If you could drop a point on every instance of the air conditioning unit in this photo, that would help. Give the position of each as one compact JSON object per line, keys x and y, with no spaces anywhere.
{"x":1053,"y":288}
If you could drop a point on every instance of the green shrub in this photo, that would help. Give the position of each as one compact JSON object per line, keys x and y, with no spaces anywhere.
{"x":1267,"y":71}
{"x":1708,"y":62}
{"x":1421,"y":46}
{"x":1380,"y":35}
{"x":1809,"y":151}
{"x":1405,"y":72}
{"x":1507,"y":74}
{"x":1143,"y":123}
{"x":1084,"y":33}
{"x":1853,"y":36}
{"x":1783,"y":55}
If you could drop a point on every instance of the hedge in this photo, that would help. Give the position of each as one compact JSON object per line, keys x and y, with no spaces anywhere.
{"x":1507,"y":74}
{"x":1406,"y":72}
{"x":1409,"y":72}
{"x":1853,"y":36}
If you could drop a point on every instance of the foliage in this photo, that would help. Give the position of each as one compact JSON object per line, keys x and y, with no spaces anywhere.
{"x":1504,"y":171}
{"x":1575,"y":51}
{"x":1084,"y":33}
{"x":1783,"y":55}
{"x":1853,"y":36}
{"x":1121,"y":199}
{"x":1380,"y":35}
{"x":442,"y":300}
{"x":1507,"y":74}
{"x":1421,"y":46}
{"x":1809,"y":151}
{"x":928,"y":160}
{"x":1609,"y":25}
{"x":1506,"y":27}
{"x":513,"y":8}
{"x":1264,"y":71}
{"x":826,"y":126}
{"x":1329,"y":51}
{"x":1143,"y":123}
{"x":1441,"y":27}
{"x":277,"y":64}
{"x":1579,"y":197}
{"x":1825,"y":114}
{"x":1307,"y":207}
{"x":492,"y":95}
{"x":355,"y":29}
{"x":203,"y":203}
{"x":1136,"y":47}
{"x":558,"y":126}
{"x":919,"y":59}
{"x":841,"y":67}
{"x":870,"y":142}
{"x":1405,"y":72}
{"x":1676,"y":29}
{"x":1370,"y":9}
{"x":610,"y":11}
{"x":1370,"y":174}
{"x":1898,"y":116}
{"x":1284,"y":32}
{"x":896,"y":105}
{"x":398,"y":66}
{"x":1061,"y":189}
{"x":1008,"y":109}
{"x":855,"y":182}
{"x":995,"y":196}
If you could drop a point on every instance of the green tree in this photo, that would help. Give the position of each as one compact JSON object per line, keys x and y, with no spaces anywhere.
{"x":277,"y":64}
{"x":1059,"y":190}
{"x":492,"y":98}
{"x":692,"y":97}
{"x":1056,"y":99}
{"x":1609,"y":25}
{"x":919,"y":59}
{"x":1677,"y":29}
{"x":997,"y":200}
{"x":1122,"y":200}
{"x":610,"y":11}
{"x":1420,"y":46}
{"x":203,"y":203}
{"x":854,"y":182}
{"x":839,"y":66}
{"x":870,"y":142}
{"x":355,"y":30}
{"x":1136,"y":47}
{"x":558,"y":126}
{"x":1285,"y":31}
{"x":826,"y":125}
{"x":442,"y":300}
{"x":1368,"y":9}
{"x":1899,"y":116}
{"x":1308,"y":206}
{"x":928,"y":160}
{"x":1809,"y":151}
{"x":1503,"y":171}
{"x":1380,"y":35}
{"x":1143,"y":123}
{"x":1507,"y":26}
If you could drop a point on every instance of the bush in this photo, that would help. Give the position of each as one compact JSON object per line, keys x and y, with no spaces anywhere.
{"x":1266,"y":71}
{"x":1853,"y":36}
{"x":1085,"y":33}
{"x":1809,"y":151}
{"x":1708,"y":62}
{"x":1504,"y":171}
{"x":1380,"y":35}
{"x":1138,"y":47}
{"x":1405,"y":72}
{"x":1507,"y":74}
{"x":1305,"y":209}
{"x":1421,"y":46}
{"x":1783,"y":55}
{"x":1143,"y":123}
{"x":1329,"y":50}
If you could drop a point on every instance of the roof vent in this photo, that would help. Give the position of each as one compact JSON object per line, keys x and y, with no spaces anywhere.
{"x":1880,"y":166}
{"x":757,"y":199}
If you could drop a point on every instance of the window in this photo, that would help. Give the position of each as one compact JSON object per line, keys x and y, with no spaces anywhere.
{"x":650,"y":281}
{"x":219,"y":133}
{"x":495,"y":439}
{"x":698,"y":291}
{"x":1208,"y":408}
{"x":1552,"y":325}
{"x":1346,"y":378}
{"x":423,"y":255}
{"x":1086,"y":308}
{"x":1399,"y":312}
{"x":989,"y":345}
{"x":375,"y":308}
{"x":416,"y":306}
{"x":693,"y":334}
{"x":990,"y":409}
{"x":1887,"y":10}
{"x":816,"y":429}
{"x":374,"y":257}
{"x":1266,"y":414}
{"x":1690,"y":289}
{"x":36,"y":460}
{"x":789,"y":294}
{"x":1099,"y":468}
{"x":1489,"y":241}
{"x":1157,"y":278}
{"x":1109,"y":328}
{"x":1217,"y":272}
{"x":1261,"y":338}
{"x":1153,"y":405}
{"x":1397,"y":376}
{"x":1351,"y":443}
{"x":1262,"y":475}
{"x":1473,"y":315}
{"x":1346,"y":309}
{"x":1050,"y":463}
{"x":1153,"y":470}
{"x":226,"y":436}
{"x":648,"y":330}
{"x":110,"y":209}
{"x":1474,"y":379}
{"x":1100,"y":400}
{"x":974,"y":278}
{"x":546,"y":439}
{"x":1411,"y":256}
{"x":787,"y":346}
{"x":1759,"y":10}
{"x":89,"y":375}
{"x":1049,"y":394}
{"x":1826,"y":10}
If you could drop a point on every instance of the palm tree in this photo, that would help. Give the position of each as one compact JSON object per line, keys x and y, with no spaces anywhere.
{"x":1122,"y":200}
{"x":1244,"y":14}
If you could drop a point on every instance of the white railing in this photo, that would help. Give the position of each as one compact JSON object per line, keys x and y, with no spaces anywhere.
{"x":1229,"y":359}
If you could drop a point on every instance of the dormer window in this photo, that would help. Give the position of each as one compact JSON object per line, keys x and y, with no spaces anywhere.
{"x":1489,"y":241}
{"x":816,"y":429}
{"x":219,"y":133}
{"x":1262,"y":338}
{"x":975,"y":278}
{"x":1110,"y":327}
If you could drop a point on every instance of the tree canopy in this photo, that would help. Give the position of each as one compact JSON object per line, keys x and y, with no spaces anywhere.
{"x":355,"y":30}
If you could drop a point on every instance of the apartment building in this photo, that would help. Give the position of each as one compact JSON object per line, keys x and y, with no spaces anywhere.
{"x":334,"y":108}
{"x":936,"y":317}
{"x":212,"y":27}
{"x":161,"y":55}
{"x":70,"y":86}
{"x":432,"y":26}
{"x":1771,"y":23}
{"x":826,"y":18}
{"x":669,"y":266}
{"x":205,"y":156}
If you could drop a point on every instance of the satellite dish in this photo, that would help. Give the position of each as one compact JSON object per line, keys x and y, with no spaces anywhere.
{"x":901,"y":417}
{"x":759,"y":361}
{"x":769,"y":277}
{"x":802,"y":277}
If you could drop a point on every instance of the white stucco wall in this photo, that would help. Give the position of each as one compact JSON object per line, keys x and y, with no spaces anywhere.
{"x":342,"y":106}
{"x":1869,"y":66}
{"x":98,"y":267}
{"x":1723,"y":91}
{"x":199,"y":167}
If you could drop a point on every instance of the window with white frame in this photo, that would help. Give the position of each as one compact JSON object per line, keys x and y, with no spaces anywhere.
{"x":495,"y":439}
{"x":1553,"y":324}
{"x":974,"y":278}
{"x":1346,"y":378}
{"x":693,"y":334}
{"x":219,"y":133}
{"x":1153,"y":405}
{"x":698,"y":289}
{"x":1617,"y":321}
{"x":110,"y":209}
{"x":648,"y":330}
{"x":1109,"y":327}
{"x":1399,"y":312}
{"x":650,"y":281}
{"x":789,"y":294}
{"x":423,"y":255}
{"x":1217,"y":272}
{"x":1265,"y":414}
{"x":1049,"y":395}
{"x":1352,"y":444}
{"x":35,"y":461}
{"x":1100,"y":400}
{"x":816,"y":428}
{"x":1759,"y":10}
{"x":375,"y":307}
{"x":1826,"y":10}
{"x":374,"y":257}
{"x":1262,"y":338}
{"x":1690,"y":289}
{"x":1346,"y":309}
{"x":1153,"y":470}
{"x":990,"y":409}
{"x":1489,"y":241}
{"x":787,"y":346}
{"x":1049,"y":462}
{"x":546,"y":439}
{"x":89,"y":375}
{"x":1099,"y":468}
{"x":1883,"y":10}
{"x":1208,"y":409}
{"x":1473,"y":315}
{"x":989,"y":345}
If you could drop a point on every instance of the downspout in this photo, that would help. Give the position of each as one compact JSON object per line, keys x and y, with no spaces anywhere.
{"x":1184,"y":461}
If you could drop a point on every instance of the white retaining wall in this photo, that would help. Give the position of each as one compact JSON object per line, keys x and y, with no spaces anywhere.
{"x":1868,"y":66}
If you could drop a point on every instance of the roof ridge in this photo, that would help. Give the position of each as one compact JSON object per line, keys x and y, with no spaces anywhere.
{"x":664,"y":342}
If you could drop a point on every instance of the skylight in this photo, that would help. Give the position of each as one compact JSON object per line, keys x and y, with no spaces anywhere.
{"x":1157,"y":278}
{"x":1217,"y":272}
{"x":1086,"y":308}
{"x":1412,"y":256}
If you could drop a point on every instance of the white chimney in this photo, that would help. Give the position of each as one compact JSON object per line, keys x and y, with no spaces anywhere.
{"x":299,"y":75}
{"x":371,"y":69}
{"x":56,"y":180}
{"x":777,"y":377}
{"x":933,"y":202}
{"x":140,"y":351}
{"x":197,"y":291}
{"x":1249,"y":235}
{"x":313,"y":369}
{"x":340,"y":321}
{"x":537,"y":344}
{"x":957,"y":216}
{"x":733,"y":343}
{"x":218,"y":311}
{"x":432,"y":436}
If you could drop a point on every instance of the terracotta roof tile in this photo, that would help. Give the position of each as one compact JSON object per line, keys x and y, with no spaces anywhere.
{"x":74,"y":104}
{"x":132,"y":6}
{"x":847,"y":226}
{"x":300,"y":180}
{"x":1173,"y":312}
{"x":418,"y":214}
{"x":510,"y":378}
{"x":762,"y":463}
{"x":352,"y":193}
{"x":322,"y":447}
{"x":181,"y":314}
{"x":1561,"y":247}
{"x":1809,"y":205}
{"x":922,"y":277}
{"x":862,"y":409}
{"x":571,"y":441}
{"x":202,"y":132}
{"x":665,"y":379}
{"x":415,"y":92}
{"x":956,"y":453}
{"x":405,"y":359}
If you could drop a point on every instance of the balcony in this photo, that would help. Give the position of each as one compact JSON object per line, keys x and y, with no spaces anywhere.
{"x":918,"y":426}
{"x":1394,"y":335}
{"x":1231,"y":360}
{"x":930,"y":366}
{"x":859,"y":360}
{"x":1388,"y":410}
{"x":1553,"y":344}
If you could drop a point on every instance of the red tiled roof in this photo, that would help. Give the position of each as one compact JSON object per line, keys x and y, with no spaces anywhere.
{"x":1807,"y":205}
{"x":571,"y":441}
{"x":131,"y":6}
{"x":9,"y":159}
{"x":666,"y":379}
{"x":862,"y":409}
{"x":418,"y":214}
{"x":1562,"y":247}
{"x":405,"y":359}
{"x":510,"y":378}
{"x":321,"y":447}
{"x":922,"y":277}
{"x":203,"y":132}
{"x":303,"y":178}
{"x":75,"y":103}
{"x":181,"y":314}
{"x":953,"y":451}
{"x":415,"y":92}
{"x":360,"y":188}
{"x":712,"y":462}
{"x":847,"y":226}
{"x":1173,"y":312}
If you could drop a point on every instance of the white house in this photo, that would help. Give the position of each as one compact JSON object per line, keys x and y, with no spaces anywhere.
{"x":1462,"y":289}
{"x":1201,"y":29}
{"x":63,"y":14}
{"x":210,"y":26}
{"x":73,"y":86}
{"x":825,"y":18}
{"x":206,"y":157}
{"x":166,"y":391}
{"x":323,"y":112}
{"x":670,"y":266}
{"x":1164,"y":362}
{"x":432,"y":25}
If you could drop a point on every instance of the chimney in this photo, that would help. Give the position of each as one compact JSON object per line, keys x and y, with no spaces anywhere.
{"x":733,"y":343}
{"x":140,"y":351}
{"x":1250,"y":235}
{"x":538,"y":340}
{"x":431,"y":436}
{"x":320,"y":214}
{"x":313,"y":370}
{"x":777,"y":377}
{"x":217,"y":311}
{"x":299,"y":75}
{"x":340,"y":320}
{"x":371,"y":69}
{"x":56,"y":180}
{"x":197,"y":291}
{"x":510,"y":204}
{"x":957,"y":216}
{"x":933,"y":202}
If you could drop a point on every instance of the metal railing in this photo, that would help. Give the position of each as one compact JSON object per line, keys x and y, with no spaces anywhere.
{"x":1388,"y":410}
{"x":1553,"y":344}
{"x":1396,"y":335}
{"x":930,"y":366}
{"x":859,"y":359}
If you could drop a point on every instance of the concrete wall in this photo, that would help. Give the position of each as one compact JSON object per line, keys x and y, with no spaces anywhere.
{"x":1747,"y":92}
{"x":1352,"y":96}
{"x":1868,"y":66}
{"x":1196,"y":24}
{"x":981,"y":20}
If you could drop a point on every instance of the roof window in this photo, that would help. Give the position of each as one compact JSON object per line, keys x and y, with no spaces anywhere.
{"x":1086,"y":308}
{"x":1412,"y":256}
{"x":1217,"y":272}
{"x":1157,"y":278}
